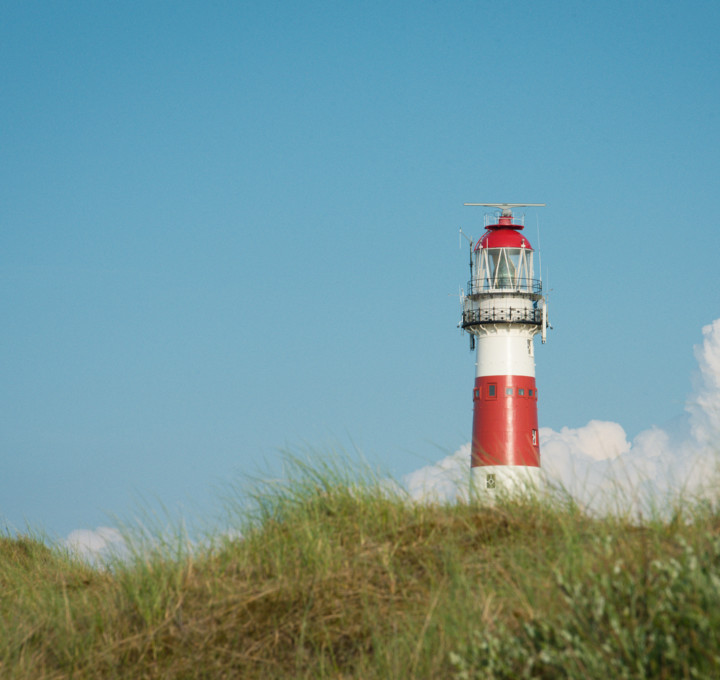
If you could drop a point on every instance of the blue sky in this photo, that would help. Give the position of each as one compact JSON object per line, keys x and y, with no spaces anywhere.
{"x":231,"y":228}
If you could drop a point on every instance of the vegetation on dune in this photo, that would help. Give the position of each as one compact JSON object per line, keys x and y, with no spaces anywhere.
{"x":331,"y":577}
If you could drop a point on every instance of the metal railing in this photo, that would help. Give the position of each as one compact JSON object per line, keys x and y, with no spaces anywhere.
{"x":504,"y":285}
{"x":494,"y":218}
{"x":501,"y":314}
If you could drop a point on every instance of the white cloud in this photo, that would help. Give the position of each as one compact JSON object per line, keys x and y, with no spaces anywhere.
{"x":598,"y":440}
{"x":443,"y":480}
{"x":599,"y":466}
{"x":704,"y":406}
{"x":96,"y":545}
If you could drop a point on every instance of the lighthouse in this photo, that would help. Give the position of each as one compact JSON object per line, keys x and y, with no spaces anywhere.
{"x":503,"y":310}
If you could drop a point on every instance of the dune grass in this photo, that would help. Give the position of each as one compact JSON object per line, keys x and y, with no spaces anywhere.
{"x":336,"y":574}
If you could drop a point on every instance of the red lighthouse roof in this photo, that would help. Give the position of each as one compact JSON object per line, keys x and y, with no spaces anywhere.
{"x":501,"y":236}
{"x":505,"y":233}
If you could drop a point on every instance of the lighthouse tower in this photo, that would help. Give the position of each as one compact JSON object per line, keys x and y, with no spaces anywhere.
{"x":503,"y":310}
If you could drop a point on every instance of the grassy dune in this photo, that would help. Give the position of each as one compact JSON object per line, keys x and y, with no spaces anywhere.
{"x":334,"y":578}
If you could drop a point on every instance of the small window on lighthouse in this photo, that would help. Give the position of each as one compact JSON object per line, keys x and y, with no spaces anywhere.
{"x":476,"y":393}
{"x":521,"y":392}
{"x":509,"y":391}
{"x":492,"y":391}
{"x":534,"y":437}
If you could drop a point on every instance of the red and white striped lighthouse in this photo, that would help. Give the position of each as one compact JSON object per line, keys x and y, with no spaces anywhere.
{"x":503,"y":310}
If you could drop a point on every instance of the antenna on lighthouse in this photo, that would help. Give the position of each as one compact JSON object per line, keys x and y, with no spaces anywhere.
{"x":464,"y":235}
{"x":507,"y":207}
{"x":471,"y":243}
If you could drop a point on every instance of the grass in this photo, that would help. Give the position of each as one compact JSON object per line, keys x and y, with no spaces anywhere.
{"x":335,"y":574}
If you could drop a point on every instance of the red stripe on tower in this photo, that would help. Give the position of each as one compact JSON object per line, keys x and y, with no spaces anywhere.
{"x":505,"y":422}
{"x":503,"y":309}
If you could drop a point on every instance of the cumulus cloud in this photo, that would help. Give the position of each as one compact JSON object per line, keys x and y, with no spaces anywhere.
{"x":704,"y":406}
{"x":441,"y":481}
{"x":97,"y":545}
{"x":602,"y":469}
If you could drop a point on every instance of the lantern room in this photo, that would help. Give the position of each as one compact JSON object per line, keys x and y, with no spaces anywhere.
{"x":503,"y":260}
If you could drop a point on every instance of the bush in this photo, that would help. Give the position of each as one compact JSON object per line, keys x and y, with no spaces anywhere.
{"x":657,"y":619}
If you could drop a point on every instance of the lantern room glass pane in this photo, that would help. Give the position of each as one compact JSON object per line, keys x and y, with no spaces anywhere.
{"x":504,"y":269}
{"x":513,"y":256}
{"x":481,"y":275}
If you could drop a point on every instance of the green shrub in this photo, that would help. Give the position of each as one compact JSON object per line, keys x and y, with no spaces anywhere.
{"x":654,"y":619}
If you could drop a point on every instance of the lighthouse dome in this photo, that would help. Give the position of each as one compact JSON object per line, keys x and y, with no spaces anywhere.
{"x":503,"y":238}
